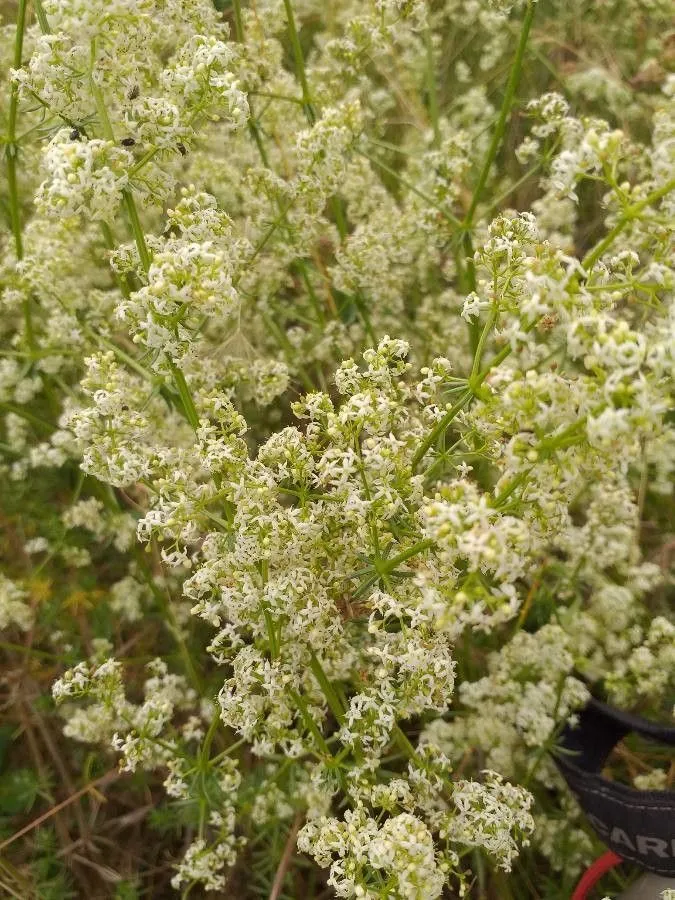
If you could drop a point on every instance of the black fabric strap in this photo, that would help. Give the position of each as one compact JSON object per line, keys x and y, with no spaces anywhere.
{"x":637,"y":825}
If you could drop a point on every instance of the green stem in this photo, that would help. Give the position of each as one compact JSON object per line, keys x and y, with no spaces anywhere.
{"x":500,"y":198}
{"x":431,"y":86}
{"x":141,"y":246}
{"x":172,"y":625}
{"x":273,"y":639}
{"x":41,"y":17}
{"x":299,"y":63}
{"x":205,"y":751}
{"x":625,"y":219}
{"x":411,"y":187}
{"x":417,"y":548}
{"x":493,"y":149}
{"x":310,"y":115}
{"x":99,"y":102}
{"x":507,"y":102}
{"x":573,"y":434}
{"x":23,"y":413}
{"x":122,"y":355}
{"x":439,"y":428}
{"x":402,"y":740}
{"x":271,"y":634}
{"x":11,"y":155}
{"x":120,"y":279}
{"x":289,"y":351}
{"x":504,"y":494}
{"x":310,"y":724}
{"x":30,"y":651}
{"x":238,"y":20}
{"x":136,"y":229}
{"x":472,"y":391}
{"x":480,"y":347}
{"x":11,"y":150}
{"x":127,"y":195}
{"x":327,"y":688}
{"x":499,"y":358}
{"x":142,"y":161}
{"x":185,"y":395}
{"x":259,"y":247}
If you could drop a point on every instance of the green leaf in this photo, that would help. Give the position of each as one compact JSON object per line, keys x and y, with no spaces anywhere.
{"x":18,"y":791}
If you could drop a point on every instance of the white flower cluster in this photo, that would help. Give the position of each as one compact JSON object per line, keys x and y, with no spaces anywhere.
{"x":397,"y":857}
{"x":14,"y":610}
{"x":356,"y":417}
{"x":199,"y":77}
{"x":494,"y":816}
{"x":85,"y":177}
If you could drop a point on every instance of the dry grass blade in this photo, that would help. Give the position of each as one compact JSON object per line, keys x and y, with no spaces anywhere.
{"x":110,"y":776}
{"x":285,"y":860}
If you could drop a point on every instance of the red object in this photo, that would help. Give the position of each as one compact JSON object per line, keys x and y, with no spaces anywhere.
{"x":594,"y":873}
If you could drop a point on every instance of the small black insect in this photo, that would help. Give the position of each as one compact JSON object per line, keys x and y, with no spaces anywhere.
{"x":128,"y":142}
{"x":75,"y":134}
{"x":182,"y":150}
{"x":134,"y":92}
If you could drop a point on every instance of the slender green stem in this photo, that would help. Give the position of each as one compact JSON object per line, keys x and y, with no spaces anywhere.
{"x":498,"y":359}
{"x":310,"y":724}
{"x":289,"y":351}
{"x":120,"y":279}
{"x":404,"y":555}
{"x":23,"y":413}
{"x":41,"y":17}
{"x":238,"y":20}
{"x":402,"y":740}
{"x":137,"y":229}
{"x":311,"y":116}
{"x":507,"y":102}
{"x":568,"y":437}
{"x":493,"y":149}
{"x":327,"y":688}
{"x":500,"y":198}
{"x":513,"y":485}
{"x":150,"y":154}
{"x":11,"y":149}
{"x":30,"y":651}
{"x":255,"y":132}
{"x":11,"y":153}
{"x":432,"y":90}
{"x":480,"y":347}
{"x":122,"y":355}
{"x":260,"y":246}
{"x":171,"y":623}
{"x":296,"y":46}
{"x":440,"y":427}
{"x":205,"y":750}
{"x":624,"y":221}
{"x":472,"y":391}
{"x":142,"y":247}
{"x":411,"y":187}
{"x":272,"y":639}
{"x":99,"y":102}
{"x":185,"y":395}
{"x":235,"y":746}
{"x":271,"y":96}
{"x":127,"y":195}
{"x":11,"y":156}
{"x":548,"y":744}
